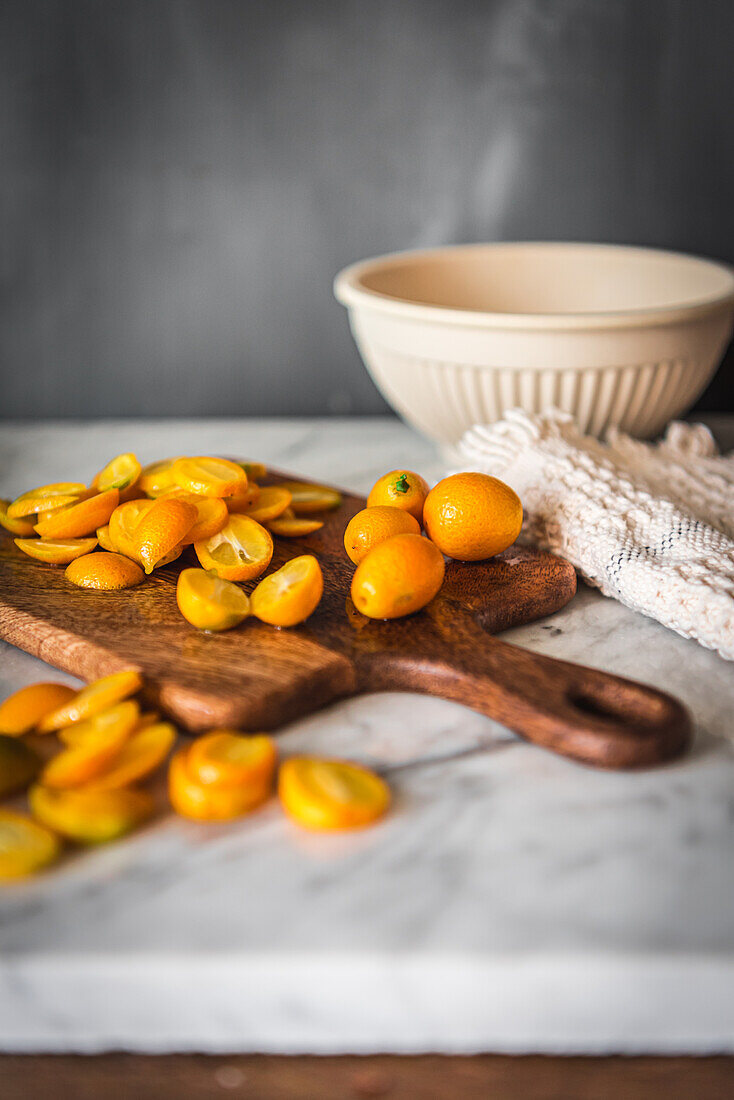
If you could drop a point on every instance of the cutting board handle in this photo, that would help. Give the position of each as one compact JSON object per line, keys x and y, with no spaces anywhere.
{"x":582,"y":713}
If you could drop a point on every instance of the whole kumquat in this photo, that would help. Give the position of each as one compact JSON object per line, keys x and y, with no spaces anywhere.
{"x":400,"y":489}
{"x":472,"y":516}
{"x":373,"y":525}
{"x":399,"y":576}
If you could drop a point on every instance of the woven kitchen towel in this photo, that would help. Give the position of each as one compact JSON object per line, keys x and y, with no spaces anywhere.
{"x":651,"y":524}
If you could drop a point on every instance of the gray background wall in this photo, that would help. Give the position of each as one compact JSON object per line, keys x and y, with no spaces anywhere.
{"x":181,"y":179}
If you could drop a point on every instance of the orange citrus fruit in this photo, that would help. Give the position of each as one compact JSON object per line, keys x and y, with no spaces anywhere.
{"x":373,"y":525}
{"x":307,"y":498}
{"x":19,"y":765}
{"x":121,"y":473}
{"x":117,"y":721}
{"x":56,"y":551}
{"x":291,"y":594}
{"x":290,"y":526}
{"x":208,"y":602}
{"x":25,"y":846}
{"x":398,"y":576}
{"x":267,"y":504}
{"x":209,"y":477}
{"x":23,"y":710}
{"x":226,"y":758}
{"x":472,"y":516}
{"x":243,"y":502}
{"x":141,"y":754}
{"x":331,"y":794}
{"x":76,"y":520}
{"x":400,"y":489}
{"x":16,"y":526}
{"x":211,"y":516}
{"x":78,"y":763}
{"x":161,"y":530}
{"x":241,"y":551}
{"x":104,"y":571}
{"x":92,"y":699}
{"x":88,"y":815}
{"x":123,"y":522}
{"x":156,"y":478}
{"x":254,"y":470}
{"x":104,"y":540}
{"x":46,"y":497}
{"x":208,"y":801}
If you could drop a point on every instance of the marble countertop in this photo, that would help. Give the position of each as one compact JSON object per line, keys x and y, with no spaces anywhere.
{"x":512,"y":901}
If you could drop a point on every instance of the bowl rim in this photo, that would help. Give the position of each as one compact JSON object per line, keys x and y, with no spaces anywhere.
{"x":350,"y":291}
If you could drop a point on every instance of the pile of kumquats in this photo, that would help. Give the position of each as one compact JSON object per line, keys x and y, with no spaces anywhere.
{"x":84,"y":756}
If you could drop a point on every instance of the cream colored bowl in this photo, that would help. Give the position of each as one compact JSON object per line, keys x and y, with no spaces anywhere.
{"x":617,"y":336}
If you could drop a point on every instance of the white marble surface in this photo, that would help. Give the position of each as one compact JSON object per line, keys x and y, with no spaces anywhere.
{"x":511,"y":901}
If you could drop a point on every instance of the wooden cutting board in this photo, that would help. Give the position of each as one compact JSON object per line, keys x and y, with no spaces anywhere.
{"x":256,"y":677}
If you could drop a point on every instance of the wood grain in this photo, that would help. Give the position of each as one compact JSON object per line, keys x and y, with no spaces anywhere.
{"x":257,"y":677}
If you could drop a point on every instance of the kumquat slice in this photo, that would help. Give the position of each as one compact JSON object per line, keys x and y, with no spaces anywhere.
{"x":211,"y":516}
{"x":307,"y":499}
{"x":226,"y":758}
{"x":331,"y":794}
{"x":209,"y":477}
{"x":141,"y":754}
{"x":121,"y":473}
{"x":255,"y":470}
{"x":118,"y":721}
{"x":80,"y":763}
{"x":46,"y":497}
{"x":92,"y":699}
{"x":270,"y":503}
{"x":15,"y":526}
{"x":76,"y":520}
{"x":56,"y":551}
{"x":90,"y":816}
{"x":25,"y":846}
{"x":291,"y":594}
{"x":210,"y":603}
{"x":241,"y":551}
{"x":243,"y":502}
{"x":23,"y":710}
{"x":157,"y":478}
{"x":105,"y":572}
{"x":207,"y":801}
{"x":290,"y":526}
{"x":19,"y":765}
{"x":162,"y":529}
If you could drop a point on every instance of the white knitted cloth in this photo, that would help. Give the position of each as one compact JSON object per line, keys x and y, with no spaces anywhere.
{"x":650,"y":524}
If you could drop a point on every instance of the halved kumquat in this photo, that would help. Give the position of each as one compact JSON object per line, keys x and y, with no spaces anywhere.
{"x":156,"y":478}
{"x":290,"y":526}
{"x":331,"y":794}
{"x":209,"y":477}
{"x":211,"y":516}
{"x":121,"y":473}
{"x":93,"y":699}
{"x":15,"y":526}
{"x":56,"y":551}
{"x":104,"y":572}
{"x":56,"y":495}
{"x":210,"y":603}
{"x":90,"y":816}
{"x":76,"y":520}
{"x":24,"y":709}
{"x":162,"y":529}
{"x":123,"y":522}
{"x":241,"y":551}
{"x":226,"y":758}
{"x":307,"y":498}
{"x":291,"y":594}
{"x":207,"y":801}
{"x":25,"y":846}
{"x":142,"y":753}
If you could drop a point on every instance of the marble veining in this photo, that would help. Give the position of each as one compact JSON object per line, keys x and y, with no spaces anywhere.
{"x":511,"y":901}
